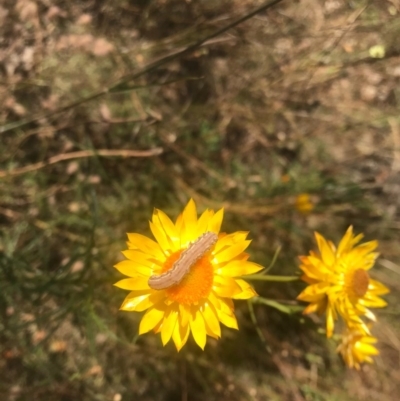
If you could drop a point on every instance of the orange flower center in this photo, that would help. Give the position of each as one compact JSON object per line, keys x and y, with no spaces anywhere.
{"x":360,"y":282}
{"x":196,"y":285}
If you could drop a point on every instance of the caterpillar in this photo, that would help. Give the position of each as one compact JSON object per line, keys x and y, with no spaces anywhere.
{"x":186,"y":260}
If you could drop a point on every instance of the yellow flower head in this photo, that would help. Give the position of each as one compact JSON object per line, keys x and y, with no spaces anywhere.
{"x":303,"y":203}
{"x":203,"y":298}
{"x":339,"y":280}
{"x":357,"y":347}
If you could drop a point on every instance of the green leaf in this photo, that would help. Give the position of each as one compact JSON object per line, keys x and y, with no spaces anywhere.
{"x":289,"y":309}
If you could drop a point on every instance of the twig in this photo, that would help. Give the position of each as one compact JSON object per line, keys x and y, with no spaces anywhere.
{"x":147,"y":69}
{"x":79,"y":155}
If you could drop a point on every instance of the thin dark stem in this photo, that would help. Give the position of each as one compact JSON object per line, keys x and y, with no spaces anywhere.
{"x":153,"y":66}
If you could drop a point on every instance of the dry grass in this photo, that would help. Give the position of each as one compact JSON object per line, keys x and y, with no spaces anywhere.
{"x":289,"y":102}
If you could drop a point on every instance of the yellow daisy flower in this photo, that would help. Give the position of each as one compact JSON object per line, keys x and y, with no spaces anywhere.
{"x":339,"y":280}
{"x":203,"y":299}
{"x":357,"y":347}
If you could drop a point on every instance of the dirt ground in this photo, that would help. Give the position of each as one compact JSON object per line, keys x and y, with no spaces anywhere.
{"x":303,"y":98}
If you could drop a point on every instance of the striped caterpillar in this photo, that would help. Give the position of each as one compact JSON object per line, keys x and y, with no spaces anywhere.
{"x":186,"y":260}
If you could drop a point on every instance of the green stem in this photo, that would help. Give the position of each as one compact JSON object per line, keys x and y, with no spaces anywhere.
{"x":257,"y":327}
{"x":289,"y":309}
{"x":271,"y":265}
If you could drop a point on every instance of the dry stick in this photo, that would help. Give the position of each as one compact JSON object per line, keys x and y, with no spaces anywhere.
{"x":79,"y":155}
{"x":149,"y":68}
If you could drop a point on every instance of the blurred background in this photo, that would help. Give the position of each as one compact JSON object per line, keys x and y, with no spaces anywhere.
{"x":291,"y":121}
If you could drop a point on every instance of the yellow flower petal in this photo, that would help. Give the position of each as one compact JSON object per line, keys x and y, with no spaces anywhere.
{"x":211,"y":319}
{"x":161,"y":238}
{"x":366,"y":248}
{"x":159,"y":217}
{"x":227,"y":320}
{"x":238,"y":268}
{"x":184,"y":314}
{"x":141,"y":258}
{"x":377,"y":288}
{"x":373,"y":302}
{"x":134,"y":283}
{"x":314,"y":292}
{"x":168,"y":325}
{"x":189,"y":224}
{"x":329,"y":322}
{"x":230,"y":239}
{"x":345,"y":243}
{"x":370,"y":315}
{"x":147,"y":245}
{"x":198,"y":328}
{"x":180,"y":336}
{"x":367,"y":349}
{"x":215,"y":223}
{"x":247,"y":290}
{"x":325,"y":249}
{"x":139,"y":303}
{"x":132,"y":269}
{"x":226,"y":287}
{"x":321,"y":305}
{"x":215,"y":301}
{"x":315,"y":268}
{"x":231,"y":252}
{"x":178,"y":227}
{"x":151,"y":319}
{"x":202,"y":223}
